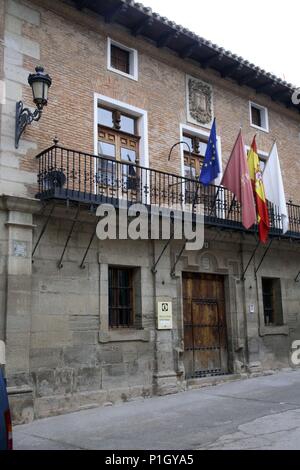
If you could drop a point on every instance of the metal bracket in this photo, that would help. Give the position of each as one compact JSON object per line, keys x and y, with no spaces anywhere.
{"x":43,"y":230}
{"x":252,"y":256}
{"x":24,"y":117}
{"x":60,"y":265}
{"x":264,"y":255}
{"x":177,"y":260}
{"x":82,"y":265}
{"x":153,"y":269}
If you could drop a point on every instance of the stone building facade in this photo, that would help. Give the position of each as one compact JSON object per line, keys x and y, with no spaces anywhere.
{"x":63,"y":351}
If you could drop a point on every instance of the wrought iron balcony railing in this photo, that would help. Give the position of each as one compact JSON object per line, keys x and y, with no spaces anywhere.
{"x":67,"y":174}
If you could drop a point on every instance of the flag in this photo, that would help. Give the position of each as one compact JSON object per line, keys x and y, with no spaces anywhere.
{"x":236,"y":178}
{"x":211,"y":165}
{"x":259,"y":193}
{"x":274,"y":186}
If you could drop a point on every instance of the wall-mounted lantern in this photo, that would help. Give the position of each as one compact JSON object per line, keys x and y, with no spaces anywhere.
{"x":40,"y":84}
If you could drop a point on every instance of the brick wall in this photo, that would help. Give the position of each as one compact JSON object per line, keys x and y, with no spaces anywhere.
{"x":72,"y":47}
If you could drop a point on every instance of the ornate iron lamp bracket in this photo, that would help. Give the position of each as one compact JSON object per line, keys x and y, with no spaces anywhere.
{"x":24,"y":117}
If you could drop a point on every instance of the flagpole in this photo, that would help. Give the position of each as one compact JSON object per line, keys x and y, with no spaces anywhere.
{"x":273,"y":145}
{"x":220,"y":185}
{"x":234,"y":196}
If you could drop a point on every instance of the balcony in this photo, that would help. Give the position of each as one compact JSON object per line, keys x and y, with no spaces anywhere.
{"x":69,"y":175}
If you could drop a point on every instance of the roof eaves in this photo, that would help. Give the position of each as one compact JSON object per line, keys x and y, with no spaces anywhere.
{"x":226,"y":53}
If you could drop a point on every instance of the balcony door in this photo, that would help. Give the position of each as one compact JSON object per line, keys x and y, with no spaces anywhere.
{"x":118,"y":149}
{"x":194,"y":155}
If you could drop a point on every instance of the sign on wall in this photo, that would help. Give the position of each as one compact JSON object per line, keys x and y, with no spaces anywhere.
{"x":2,"y":353}
{"x":164,"y":316}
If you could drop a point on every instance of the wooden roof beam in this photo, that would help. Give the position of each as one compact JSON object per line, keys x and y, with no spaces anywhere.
{"x":207,"y":62}
{"x":248,"y":78}
{"x":111,"y":13}
{"x":262,"y":88}
{"x":188,"y":50}
{"x":230,"y":69}
{"x":165,"y":38}
{"x":140,"y":27}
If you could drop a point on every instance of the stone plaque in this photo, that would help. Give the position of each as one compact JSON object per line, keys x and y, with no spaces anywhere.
{"x":2,"y":92}
{"x":164,"y":316}
{"x":2,"y":353}
{"x":199,"y":99}
{"x":19,"y":249}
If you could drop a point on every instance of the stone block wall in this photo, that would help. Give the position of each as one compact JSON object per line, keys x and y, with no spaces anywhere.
{"x":75,"y":360}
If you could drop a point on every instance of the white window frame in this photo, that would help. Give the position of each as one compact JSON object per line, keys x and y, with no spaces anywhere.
{"x":263,"y":109}
{"x":142,"y":124}
{"x":133,"y":60}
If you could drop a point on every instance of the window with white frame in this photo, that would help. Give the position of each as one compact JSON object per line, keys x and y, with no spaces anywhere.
{"x":122,"y":59}
{"x":259,"y":117}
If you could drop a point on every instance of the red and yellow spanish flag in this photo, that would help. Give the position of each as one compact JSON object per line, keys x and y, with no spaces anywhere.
{"x":259,"y":193}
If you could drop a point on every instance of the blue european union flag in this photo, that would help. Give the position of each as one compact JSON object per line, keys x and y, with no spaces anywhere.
{"x":211,"y":165}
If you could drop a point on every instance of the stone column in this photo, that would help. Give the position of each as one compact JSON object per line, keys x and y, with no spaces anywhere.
{"x":251,"y":312}
{"x":19,"y":227}
{"x":165,"y":378}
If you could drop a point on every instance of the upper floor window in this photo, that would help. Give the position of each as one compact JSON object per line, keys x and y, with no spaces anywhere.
{"x":115,"y":119}
{"x":194,"y":153}
{"x":122,"y":59}
{"x":117,"y":141}
{"x":259,"y":117}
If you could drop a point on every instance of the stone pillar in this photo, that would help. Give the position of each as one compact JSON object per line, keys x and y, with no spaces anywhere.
{"x":18,"y":303}
{"x":251,"y":312}
{"x":165,"y":378}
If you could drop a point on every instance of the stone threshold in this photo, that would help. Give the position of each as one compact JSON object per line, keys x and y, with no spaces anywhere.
{"x":19,"y":390}
{"x":193,"y":384}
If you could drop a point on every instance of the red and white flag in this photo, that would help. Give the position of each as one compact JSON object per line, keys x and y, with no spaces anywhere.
{"x":237,"y":179}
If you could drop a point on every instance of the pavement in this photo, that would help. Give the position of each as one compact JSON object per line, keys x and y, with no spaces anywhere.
{"x":259,"y":413}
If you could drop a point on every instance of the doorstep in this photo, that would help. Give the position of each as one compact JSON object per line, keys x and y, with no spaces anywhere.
{"x":211,"y":381}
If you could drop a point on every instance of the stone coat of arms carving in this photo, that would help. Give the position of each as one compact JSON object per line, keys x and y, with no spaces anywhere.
{"x":200,"y":109}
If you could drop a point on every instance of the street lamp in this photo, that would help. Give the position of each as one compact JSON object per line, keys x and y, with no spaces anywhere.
{"x":40,"y":84}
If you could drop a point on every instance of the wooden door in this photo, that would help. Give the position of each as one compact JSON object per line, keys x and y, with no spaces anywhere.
{"x":114,"y":178}
{"x":205,"y":334}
